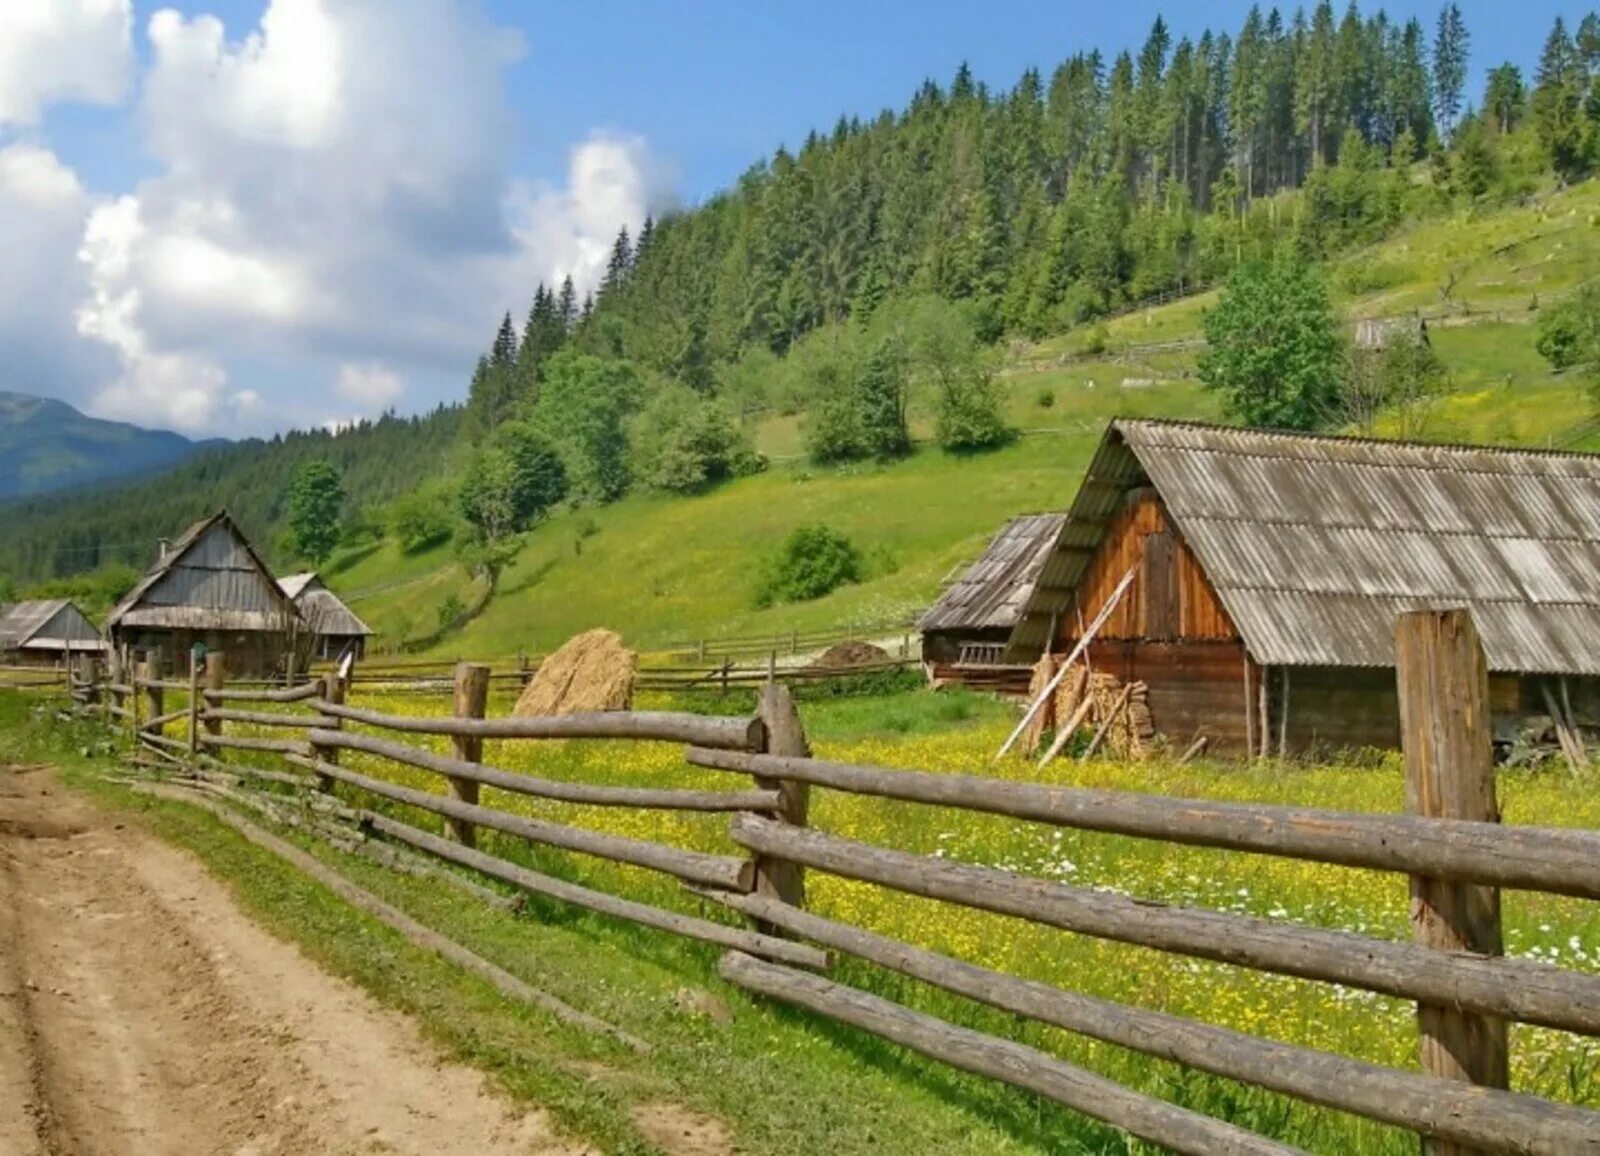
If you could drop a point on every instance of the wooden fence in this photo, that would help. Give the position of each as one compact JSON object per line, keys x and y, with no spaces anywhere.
{"x":1450,"y":846}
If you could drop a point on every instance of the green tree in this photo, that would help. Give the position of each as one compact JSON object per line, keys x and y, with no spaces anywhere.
{"x":1569,"y":335}
{"x":420,"y":519}
{"x":1558,"y":98}
{"x":1272,"y":346}
{"x":582,"y":406}
{"x":1449,"y":68}
{"x":316,"y":499}
{"x":1505,"y":98}
{"x":686,"y":442}
{"x":880,"y":390}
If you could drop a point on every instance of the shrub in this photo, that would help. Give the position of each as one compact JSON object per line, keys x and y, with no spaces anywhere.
{"x":420,"y":520}
{"x":1045,"y":398}
{"x":813,"y":561}
{"x":451,"y":609}
{"x":969,"y":417}
{"x":1096,"y":340}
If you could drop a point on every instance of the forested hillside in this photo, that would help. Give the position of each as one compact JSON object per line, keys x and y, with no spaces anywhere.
{"x":871,"y":290}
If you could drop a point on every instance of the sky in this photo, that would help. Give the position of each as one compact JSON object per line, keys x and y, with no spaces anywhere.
{"x":230,"y":217}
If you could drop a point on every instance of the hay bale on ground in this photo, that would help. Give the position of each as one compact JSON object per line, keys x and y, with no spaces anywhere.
{"x":845,"y":655}
{"x":592,"y":671}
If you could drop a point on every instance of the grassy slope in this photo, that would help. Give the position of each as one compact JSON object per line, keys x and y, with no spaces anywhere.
{"x":663,"y":569}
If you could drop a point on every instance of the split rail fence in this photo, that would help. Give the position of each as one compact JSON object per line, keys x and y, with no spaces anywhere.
{"x":1450,"y":848}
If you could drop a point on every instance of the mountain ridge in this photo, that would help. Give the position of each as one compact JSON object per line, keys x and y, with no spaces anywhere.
{"x":47,"y":445}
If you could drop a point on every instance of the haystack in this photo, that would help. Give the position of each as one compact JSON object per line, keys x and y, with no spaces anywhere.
{"x":592,"y":671}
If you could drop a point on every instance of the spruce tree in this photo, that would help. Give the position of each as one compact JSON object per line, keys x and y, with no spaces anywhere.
{"x":1449,"y":69}
{"x":567,"y":303}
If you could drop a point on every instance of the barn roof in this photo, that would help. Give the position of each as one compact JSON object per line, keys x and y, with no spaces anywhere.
{"x":1316,"y":544}
{"x":210,"y":578}
{"x":323,"y":610}
{"x":992,"y":591}
{"x":46,"y":624}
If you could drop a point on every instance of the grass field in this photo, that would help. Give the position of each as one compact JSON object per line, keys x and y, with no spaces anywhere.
{"x":757,"y":1072}
{"x":667,"y":569}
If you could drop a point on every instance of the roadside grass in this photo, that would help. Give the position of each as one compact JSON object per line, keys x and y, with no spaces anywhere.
{"x":960,"y":733}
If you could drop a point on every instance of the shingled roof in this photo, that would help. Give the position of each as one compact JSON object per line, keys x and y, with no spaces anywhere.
{"x":991,"y":593}
{"x":1316,"y":544}
{"x":324,"y":611}
{"x":46,"y":624}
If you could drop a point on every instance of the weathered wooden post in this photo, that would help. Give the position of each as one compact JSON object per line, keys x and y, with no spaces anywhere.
{"x":114,"y":678}
{"x":216,"y":679}
{"x":332,"y":692}
{"x":779,"y":878}
{"x":195,"y":663}
{"x":472,"y":701}
{"x":1449,"y":765}
{"x":155,"y":697}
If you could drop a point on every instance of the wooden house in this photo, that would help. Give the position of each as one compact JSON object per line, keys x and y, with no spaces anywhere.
{"x":209,"y":587}
{"x":1268,"y":570}
{"x":964,"y":633}
{"x":48,"y":632}
{"x":332,"y":627}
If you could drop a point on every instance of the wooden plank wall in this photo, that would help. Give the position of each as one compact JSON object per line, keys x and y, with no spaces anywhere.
{"x":1149,"y":610}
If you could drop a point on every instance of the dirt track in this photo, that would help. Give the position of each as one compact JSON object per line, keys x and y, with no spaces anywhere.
{"x":141,"y":1012}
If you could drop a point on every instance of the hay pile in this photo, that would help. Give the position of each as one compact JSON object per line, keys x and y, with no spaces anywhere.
{"x":845,"y":655}
{"x":592,"y":671}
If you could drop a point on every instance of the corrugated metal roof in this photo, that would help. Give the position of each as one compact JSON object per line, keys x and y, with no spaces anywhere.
{"x":324,"y":611}
{"x":993,"y":590}
{"x":210,"y":579}
{"x":1315,"y":544}
{"x":46,"y":624}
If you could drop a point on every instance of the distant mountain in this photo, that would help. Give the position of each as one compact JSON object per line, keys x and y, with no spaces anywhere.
{"x":47,"y":445}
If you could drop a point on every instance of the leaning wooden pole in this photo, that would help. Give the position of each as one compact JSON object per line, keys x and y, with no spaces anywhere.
{"x":782,"y":879}
{"x":472,"y":701}
{"x":1449,"y":766}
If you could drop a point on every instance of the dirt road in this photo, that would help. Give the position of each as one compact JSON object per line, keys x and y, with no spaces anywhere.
{"x":142,"y":1013}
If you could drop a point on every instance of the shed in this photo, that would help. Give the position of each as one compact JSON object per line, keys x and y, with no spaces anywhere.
{"x":1375,"y":334}
{"x":1269,"y":569}
{"x":332,"y":626}
{"x":209,"y":587}
{"x":46,"y":632}
{"x":974,"y":616}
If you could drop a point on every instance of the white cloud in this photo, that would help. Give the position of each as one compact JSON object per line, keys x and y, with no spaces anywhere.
{"x":333,"y":192}
{"x":43,"y":208}
{"x":370,"y":385}
{"x":57,"y":50}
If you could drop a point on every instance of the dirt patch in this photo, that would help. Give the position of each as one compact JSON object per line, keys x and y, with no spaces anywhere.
{"x":845,"y":655}
{"x":140,"y":1011}
{"x":681,"y":1132}
{"x":592,"y":671}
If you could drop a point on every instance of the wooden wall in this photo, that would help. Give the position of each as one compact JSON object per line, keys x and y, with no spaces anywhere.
{"x":1194,"y":687}
{"x":1171,"y":599}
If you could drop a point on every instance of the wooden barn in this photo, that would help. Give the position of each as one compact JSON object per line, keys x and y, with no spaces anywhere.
{"x":965,"y":633}
{"x":47,"y":632}
{"x":209,"y":587}
{"x":332,"y":627}
{"x":1268,"y":570}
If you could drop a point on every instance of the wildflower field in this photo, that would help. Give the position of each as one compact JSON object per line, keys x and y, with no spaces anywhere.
{"x":961,"y":733}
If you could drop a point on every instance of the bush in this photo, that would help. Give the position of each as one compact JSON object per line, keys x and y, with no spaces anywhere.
{"x":969,"y":417}
{"x":420,"y":520}
{"x":1045,"y":398}
{"x":813,"y":561}
{"x":1096,"y":340}
{"x":685,"y":442}
{"x":1559,"y":338}
{"x":450,"y":610}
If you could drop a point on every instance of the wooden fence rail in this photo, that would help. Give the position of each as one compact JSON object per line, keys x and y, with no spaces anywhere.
{"x":1449,"y":846}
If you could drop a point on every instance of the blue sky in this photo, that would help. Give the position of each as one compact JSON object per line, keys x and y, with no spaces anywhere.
{"x":230,"y":216}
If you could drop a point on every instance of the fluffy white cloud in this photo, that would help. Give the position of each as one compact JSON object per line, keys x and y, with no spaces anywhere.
{"x":43,"y":208}
{"x":334,"y":190}
{"x":370,"y":385}
{"x":54,"y":50}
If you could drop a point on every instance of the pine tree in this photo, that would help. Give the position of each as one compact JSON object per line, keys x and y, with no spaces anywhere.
{"x":504,"y":351}
{"x":567,"y":303}
{"x":1558,"y":98}
{"x":1449,"y":69}
{"x":1505,"y":97}
{"x":619,"y":264}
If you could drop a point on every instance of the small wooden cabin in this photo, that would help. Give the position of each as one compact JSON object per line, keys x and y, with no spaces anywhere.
{"x":1269,"y":569}
{"x":47,"y":632}
{"x":333,"y":627}
{"x":209,"y":587}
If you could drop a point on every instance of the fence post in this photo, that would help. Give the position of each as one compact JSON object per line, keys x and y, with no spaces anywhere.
{"x":1449,"y":767}
{"x":114,"y":677}
{"x":216,"y":679}
{"x":785,"y":735}
{"x":472,"y":701}
{"x":332,"y":691}
{"x":194,"y":709}
{"x":155,"y":698}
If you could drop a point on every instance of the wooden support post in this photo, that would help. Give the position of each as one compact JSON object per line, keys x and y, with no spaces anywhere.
{"x":1449,"y":766}
{"x":779,"y":878}
{"x":1264,"y":729}
{"x":114,"y":677}
{"x":332,"y":691}
{"x":194,"y":709}
{"x":727,"y":668}
{"x":794,"y":642}
{"x":216,"y":679}
{"x":1283,"y":713}
{"x":772,"y":666}
{"x":1249,"y":714}
{"x":472,"y":701}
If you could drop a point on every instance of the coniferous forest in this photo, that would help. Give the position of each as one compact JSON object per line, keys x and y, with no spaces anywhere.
{"x":908,"y":248}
